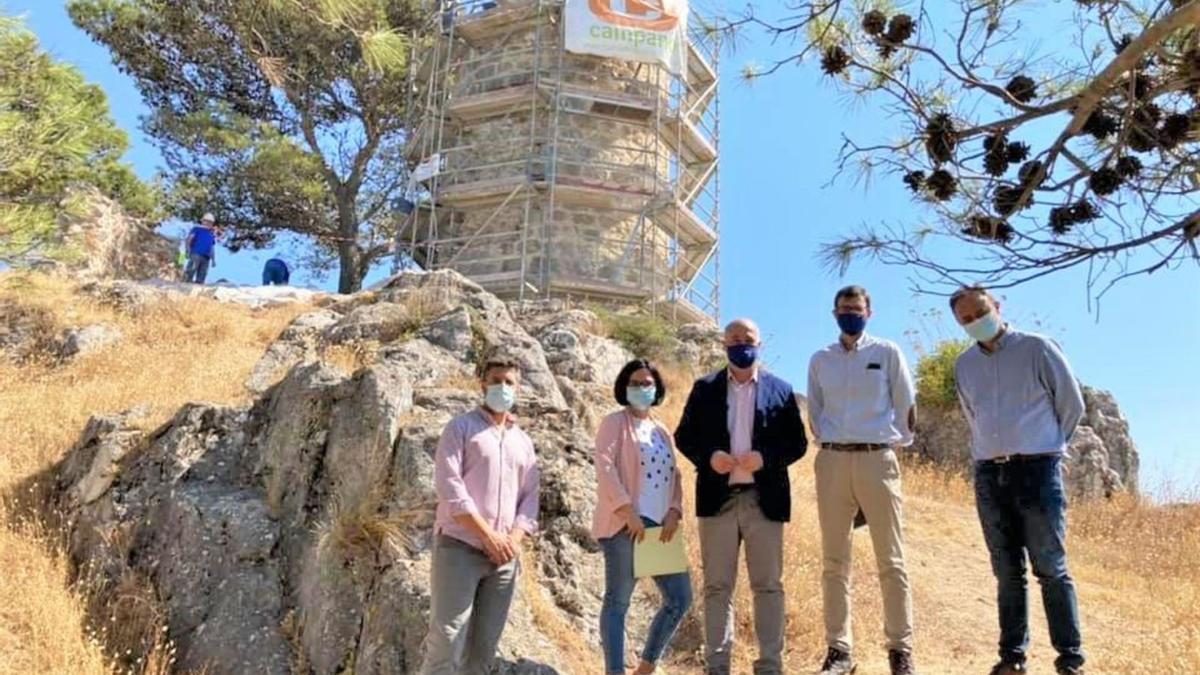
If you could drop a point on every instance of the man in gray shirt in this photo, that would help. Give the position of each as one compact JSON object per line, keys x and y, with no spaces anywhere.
{"x":1022,"y":403}
{"x":862,"y":407}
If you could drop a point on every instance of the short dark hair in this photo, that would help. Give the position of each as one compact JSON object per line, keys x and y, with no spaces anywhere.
{"x":497,"y":360}
{"x":852,"y":292}
{"x":969,"y":290}
{"x":627,"y":372}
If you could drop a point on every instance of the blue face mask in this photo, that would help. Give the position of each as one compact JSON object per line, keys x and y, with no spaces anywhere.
{"x":500,"y":397}
{"x":852,"y":324}
{"x":742,"y":356}
{"x":985,"y":328}
{"x":641,"y":398}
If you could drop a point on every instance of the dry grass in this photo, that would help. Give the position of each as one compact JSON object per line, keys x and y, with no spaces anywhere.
{"x":1134,"y":564}
{"x":169,"y":355}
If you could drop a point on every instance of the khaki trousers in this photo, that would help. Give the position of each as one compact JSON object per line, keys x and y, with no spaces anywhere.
{"x":847,"y":481}
{"x":741,"y":519}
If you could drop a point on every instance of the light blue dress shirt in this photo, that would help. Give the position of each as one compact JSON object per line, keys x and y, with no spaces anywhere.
{"x":861,"y":395}
{"x":1021,"y":399}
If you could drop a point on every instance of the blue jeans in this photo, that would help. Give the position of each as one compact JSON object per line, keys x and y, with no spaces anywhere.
{"x":1022,"y":507}
{"x":676,"y":590}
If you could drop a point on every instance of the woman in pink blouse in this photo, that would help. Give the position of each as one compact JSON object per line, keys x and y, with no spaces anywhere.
{"x":638,"y":486}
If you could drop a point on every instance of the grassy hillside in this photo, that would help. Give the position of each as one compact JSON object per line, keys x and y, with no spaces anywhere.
{"x":1135,"y":563}
{"x":188,"y":351}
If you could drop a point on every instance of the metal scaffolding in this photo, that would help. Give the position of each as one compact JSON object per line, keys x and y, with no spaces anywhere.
{"x":544,"y":173}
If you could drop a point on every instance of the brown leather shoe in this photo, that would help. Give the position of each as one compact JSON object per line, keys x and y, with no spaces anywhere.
{"x":838,"y":662}
{"x":901,"y":662}
{"x":1008,"y":668}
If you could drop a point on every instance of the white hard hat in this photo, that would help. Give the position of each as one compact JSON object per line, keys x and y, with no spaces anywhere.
{"x":208,"y":218}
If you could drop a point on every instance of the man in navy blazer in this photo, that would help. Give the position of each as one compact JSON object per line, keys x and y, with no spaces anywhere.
{"x":741,"y":428}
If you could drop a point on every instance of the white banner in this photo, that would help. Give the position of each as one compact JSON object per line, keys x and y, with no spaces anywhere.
{"x":654,"y":31}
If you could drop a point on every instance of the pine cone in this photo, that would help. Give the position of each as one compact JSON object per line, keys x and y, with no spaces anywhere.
{"x":1017,"y":152}
{"x":1189,"y":69}
{"x":940,"y":138}
{"x":915,"y":180}
{"x":834,"y":60}
{"x":1129,"y":166}
{"x":1006,"y":199}
{"x":1100,"y":125}
{"x":1105,"y":181}
{"x":1061,"y":220}
{"x":1143,"y":135}
{"x":1022,"y":88}
{"x":1083,"y":211}
{"x":1174,"y":130}
{"x":874,"y":22}
{"x":1143,"y":85}
{"x":989,"y":227}
{"x":942,"y":185}
{"x":900,"y":29}
{"x":995,"y":158}
{"x":1029,"y":171}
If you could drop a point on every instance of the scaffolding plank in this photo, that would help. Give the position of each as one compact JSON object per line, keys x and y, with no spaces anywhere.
{"x":479,"y":27}
{"x":491,"y":103}
{"x":696,"y":148}
{"x":643,"y":104}
{"x":689,"y":312}
{"x":700,"y":72}
{"x":565,"y":284}
{"x":677,"y":219}
{"x":478,"y":193}
{"x":577,"y":192}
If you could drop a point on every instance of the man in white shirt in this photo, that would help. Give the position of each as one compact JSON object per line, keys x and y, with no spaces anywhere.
{"x":862,"y":405}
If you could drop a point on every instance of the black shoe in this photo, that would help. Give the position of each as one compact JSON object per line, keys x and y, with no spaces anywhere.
{"x":838,"y":662}
{"x":901,"y":662}
{"x":1070,"y":670}
{"x":1008,"y":668}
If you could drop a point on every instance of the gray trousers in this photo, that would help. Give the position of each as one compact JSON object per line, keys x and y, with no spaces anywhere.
{"x":197,"y":268}
{"x":741,"y":519}
{"x":470,"y":601}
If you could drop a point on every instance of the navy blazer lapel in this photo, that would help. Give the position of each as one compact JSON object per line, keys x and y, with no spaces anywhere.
{"x":723,"y":393}
{"x":761,"y":396}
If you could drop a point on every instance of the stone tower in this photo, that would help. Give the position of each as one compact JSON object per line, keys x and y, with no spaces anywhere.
{"x":542,"y":172}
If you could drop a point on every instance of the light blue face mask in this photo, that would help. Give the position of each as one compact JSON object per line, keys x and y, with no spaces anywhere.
{"x":985,"y":328}
{"x":500,"y":397}
{"x":641,"y":398}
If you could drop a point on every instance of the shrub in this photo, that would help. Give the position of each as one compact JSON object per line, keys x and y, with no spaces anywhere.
{"x":935,"y":374}
{"x":645,"y":335}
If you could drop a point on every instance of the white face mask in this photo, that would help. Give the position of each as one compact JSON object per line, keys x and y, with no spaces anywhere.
{"x":985,"y":328}
{"x":500,"y":397}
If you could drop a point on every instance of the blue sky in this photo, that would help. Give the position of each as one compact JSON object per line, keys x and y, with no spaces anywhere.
{"x":779,"y":138}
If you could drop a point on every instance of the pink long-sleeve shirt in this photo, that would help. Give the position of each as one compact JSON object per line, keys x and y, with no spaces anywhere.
{"x":487,"y":469}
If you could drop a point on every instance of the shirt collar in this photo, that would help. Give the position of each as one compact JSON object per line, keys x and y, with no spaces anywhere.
{"x":509,"y":422}
{"x":753,"y":377}
{"x":1009,"y":335}
{"x":864,"y":340}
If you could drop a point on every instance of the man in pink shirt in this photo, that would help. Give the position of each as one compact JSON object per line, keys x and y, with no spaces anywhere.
{"x":486,"y":477}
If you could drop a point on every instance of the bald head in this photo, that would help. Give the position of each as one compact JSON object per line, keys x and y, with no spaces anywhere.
{"x":742,"y":331}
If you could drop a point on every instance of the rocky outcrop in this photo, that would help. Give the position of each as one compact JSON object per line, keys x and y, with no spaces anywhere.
{"x":293,"y":534}
{"x":102,"y":241}
{"x":1102,"y":458}
{"x":88,"y":339}
{"x":133,"y":297}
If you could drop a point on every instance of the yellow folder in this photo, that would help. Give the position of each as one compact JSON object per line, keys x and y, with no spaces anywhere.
{"x":651,"y":557}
